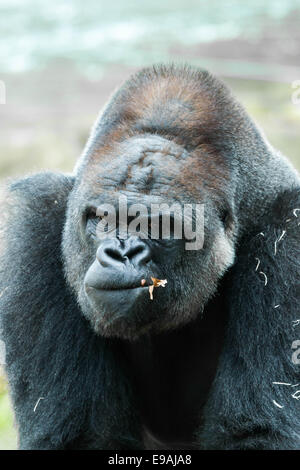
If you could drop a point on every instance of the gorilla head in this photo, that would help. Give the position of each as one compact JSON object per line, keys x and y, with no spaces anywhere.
{"x":157,"y":142}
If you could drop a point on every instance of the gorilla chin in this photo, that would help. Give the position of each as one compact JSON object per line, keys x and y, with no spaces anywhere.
{"x":116,"y":309}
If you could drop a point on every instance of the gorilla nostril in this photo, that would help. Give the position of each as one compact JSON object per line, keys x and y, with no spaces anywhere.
{"x":114,"y":254}
{"x":138,"y":254}
{"x":109,"y":254}
{"x":133,"y":251}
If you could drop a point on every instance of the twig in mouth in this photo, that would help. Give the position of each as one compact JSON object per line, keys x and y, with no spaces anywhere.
{"x":156,"y":283}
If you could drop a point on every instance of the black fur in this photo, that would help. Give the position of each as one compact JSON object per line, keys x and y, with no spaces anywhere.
{"x":207,"y":385}
{"x":51,"y":351}
{"x":240,"y":413}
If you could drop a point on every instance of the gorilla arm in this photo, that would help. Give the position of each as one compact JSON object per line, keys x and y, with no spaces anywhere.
{"x":263,"y":300}
{"x":56,"y":365}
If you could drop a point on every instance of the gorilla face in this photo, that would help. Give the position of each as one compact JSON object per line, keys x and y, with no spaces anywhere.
{"x":107,"y":272}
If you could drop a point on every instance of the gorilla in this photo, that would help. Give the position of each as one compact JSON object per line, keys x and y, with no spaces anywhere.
{"x":92,"y":361}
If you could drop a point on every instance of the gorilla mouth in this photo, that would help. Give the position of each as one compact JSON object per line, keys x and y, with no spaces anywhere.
{"x":130,"y":299}
{"x":143,"y":286}
{"x":114,"y":288}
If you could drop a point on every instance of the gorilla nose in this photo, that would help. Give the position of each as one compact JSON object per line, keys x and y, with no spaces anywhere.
{"x":115,"y":252}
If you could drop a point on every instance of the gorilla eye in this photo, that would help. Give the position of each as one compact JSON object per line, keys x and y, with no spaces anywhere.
{"x":92,"y":215}
{"x":92,"y":220}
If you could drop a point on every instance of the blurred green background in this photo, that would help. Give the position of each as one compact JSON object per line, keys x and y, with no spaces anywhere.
{"x":61,"y":61}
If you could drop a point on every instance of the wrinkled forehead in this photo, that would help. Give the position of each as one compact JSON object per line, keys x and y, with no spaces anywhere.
{"x":155,"y":166}
{"x":144,"y":164}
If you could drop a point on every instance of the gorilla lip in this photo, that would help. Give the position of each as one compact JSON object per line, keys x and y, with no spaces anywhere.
{"x":156,"y":283}
{"x":112,"y":288}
